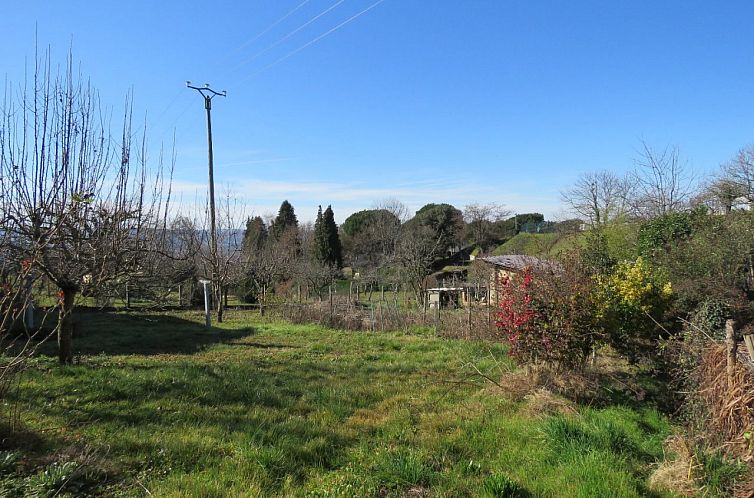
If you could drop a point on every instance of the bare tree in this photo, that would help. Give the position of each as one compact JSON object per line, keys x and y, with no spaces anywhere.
{"x":224,"y":264}
{"x":739,"y":175}
{"x":720,"y":195}
{"x":395,"y":207}
{"x":599,"y":197}
{"x":228,"y":256}
{"x":22,"y":329}
{"x":78,"y":203}
{"x":269,"y":260}
{"x":663,"y":182}
{"x":480,"y":220}
{"x":418,"y":248}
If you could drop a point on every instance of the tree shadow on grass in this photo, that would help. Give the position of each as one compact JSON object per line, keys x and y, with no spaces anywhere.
{"x":143,"y":333}
{"x":168,"y":413}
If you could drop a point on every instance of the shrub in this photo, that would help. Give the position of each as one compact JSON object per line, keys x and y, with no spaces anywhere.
{"x":631,"y":301}
{"x":709,"y":318}
{"x":548,"y":317}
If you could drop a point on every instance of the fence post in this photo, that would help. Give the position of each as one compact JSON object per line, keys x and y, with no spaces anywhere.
{"x":731,"y":346}
{"x":749,"y":341}
{"x":468,"y":306}
{"x":331,"y":308}
{"x":489,"y":311}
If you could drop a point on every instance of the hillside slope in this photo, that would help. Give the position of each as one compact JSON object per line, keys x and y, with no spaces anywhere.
{"x":540,"y":244}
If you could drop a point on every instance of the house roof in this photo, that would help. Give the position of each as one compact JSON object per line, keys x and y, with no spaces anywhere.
{"x":519,"y":262}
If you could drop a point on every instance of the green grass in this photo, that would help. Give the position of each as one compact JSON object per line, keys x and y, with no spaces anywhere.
{"x":271,"y":409}
{"x":540,"y":244}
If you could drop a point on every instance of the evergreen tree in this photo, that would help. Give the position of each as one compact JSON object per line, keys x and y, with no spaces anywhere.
{"x":334,"y":256}
{"x":255,"y":235}
{"x":320,"y":238}
{"x":444,"y":221}
{"x":285,"y":219}
{"x":327,"y":247}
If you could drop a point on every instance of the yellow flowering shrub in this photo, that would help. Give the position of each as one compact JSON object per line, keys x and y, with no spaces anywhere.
{"x":630,"y":302}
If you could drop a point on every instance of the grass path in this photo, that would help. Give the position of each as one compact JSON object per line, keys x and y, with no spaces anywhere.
{"x":273,"y":409}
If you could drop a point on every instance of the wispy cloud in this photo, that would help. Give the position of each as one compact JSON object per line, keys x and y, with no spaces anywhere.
{"x":264,"y":196}
{"x":256,"y":161}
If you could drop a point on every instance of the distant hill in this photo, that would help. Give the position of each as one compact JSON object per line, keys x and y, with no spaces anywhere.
{"x":540,"y":244}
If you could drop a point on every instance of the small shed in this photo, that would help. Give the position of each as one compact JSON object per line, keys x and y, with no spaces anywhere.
{"x":510,"y":265}
{"x":445,"y":297}
{"x":455,"y":297}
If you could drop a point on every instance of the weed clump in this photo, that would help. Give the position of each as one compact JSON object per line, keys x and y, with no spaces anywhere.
{"x":403,"y":469}
{"x":502,"y":486}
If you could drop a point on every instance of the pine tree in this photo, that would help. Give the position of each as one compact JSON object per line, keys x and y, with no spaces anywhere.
{"x":285,"y":219}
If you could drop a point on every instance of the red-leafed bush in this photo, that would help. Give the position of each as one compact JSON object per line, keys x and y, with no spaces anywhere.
{"x":548,"y":317}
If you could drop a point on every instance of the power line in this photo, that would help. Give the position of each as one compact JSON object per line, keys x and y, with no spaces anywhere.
{"x":290,"y":54}
{"x":315,"y":40}
{"x":242,"y":46}
{"x":287,"y":36}
{"x":267,"y":30}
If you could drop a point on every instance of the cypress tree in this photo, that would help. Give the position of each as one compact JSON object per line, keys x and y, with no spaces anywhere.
{"x":255,"y":235}
{"x":327,"y":247}
{"x":320,"y":239}
{"x":334,"y":254}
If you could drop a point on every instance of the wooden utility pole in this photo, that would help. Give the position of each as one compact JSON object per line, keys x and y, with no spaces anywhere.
{"x":208,"y":95}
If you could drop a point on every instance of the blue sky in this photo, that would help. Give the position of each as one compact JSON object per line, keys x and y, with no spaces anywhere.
{"x":420,"y":100}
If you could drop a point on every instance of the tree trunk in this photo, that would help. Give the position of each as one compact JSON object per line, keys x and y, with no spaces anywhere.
{"x":65,"y":327}
{"x":264,"y":300}
{"x":219,"y":303}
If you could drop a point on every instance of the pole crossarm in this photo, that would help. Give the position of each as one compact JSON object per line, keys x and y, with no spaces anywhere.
{"x":206,"y":88}
{"x":208,"y":93}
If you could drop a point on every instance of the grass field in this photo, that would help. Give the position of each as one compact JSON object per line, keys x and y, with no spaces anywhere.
{"x":164,"y":408}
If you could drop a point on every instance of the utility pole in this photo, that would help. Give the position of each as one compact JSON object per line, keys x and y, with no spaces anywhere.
{"x":208,"y":95}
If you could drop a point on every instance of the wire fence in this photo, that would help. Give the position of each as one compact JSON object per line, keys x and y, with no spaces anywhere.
{"x":382,"y":309}
{"x":470,"y":322}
